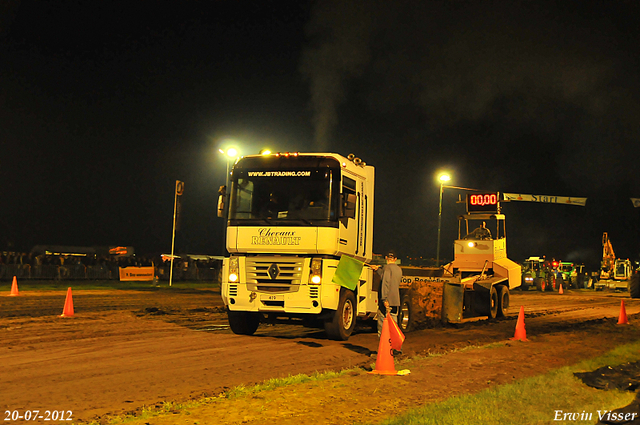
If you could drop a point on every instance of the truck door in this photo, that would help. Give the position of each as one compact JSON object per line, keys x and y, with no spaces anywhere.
{"x":353,"y":231}
{"x":361,"y":218}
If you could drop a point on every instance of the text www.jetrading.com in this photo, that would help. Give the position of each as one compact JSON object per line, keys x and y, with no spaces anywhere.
{"x":279,"y":173}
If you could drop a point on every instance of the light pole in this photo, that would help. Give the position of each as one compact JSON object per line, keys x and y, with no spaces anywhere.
{"x":230,"y":154}
{"x":443,"y":178}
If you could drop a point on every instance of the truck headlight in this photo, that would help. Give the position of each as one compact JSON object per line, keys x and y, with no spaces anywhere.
{"x":233,"y":269}
{"x":315,"y":276}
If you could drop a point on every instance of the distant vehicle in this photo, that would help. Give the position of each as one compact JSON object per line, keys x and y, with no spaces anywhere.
{"x":580,"y":277}
{"x":572,"y":275}
{"x":565,"y":270}
{"x":634,"y":285}
{"x":615,"y":273}
{"x":536,"y":272}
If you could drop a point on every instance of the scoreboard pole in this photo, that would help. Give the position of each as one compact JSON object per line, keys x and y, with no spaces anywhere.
{"x":442,"y":186}
{"x":439,"y":224}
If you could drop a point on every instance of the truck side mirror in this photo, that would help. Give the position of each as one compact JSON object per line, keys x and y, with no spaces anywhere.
{"x":222,"y":194}
{"x":348,"y":205}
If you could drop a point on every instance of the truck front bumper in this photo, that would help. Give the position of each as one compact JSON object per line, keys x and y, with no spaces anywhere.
{"x":306,"y":300}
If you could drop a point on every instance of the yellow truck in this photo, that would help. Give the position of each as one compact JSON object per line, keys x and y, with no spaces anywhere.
{"x":476,"y":283}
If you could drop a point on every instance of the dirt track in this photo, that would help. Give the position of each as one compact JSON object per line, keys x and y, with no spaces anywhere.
{"x":126,"y":349}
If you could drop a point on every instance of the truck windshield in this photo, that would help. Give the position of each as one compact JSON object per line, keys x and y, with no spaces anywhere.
{"x":291,"y":197}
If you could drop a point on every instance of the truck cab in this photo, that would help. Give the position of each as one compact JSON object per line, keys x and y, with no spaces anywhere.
{"x":291,"y":218}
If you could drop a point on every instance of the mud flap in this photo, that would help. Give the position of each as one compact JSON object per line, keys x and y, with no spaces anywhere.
{"x":484,"y":286}
{"x":482,"y":295}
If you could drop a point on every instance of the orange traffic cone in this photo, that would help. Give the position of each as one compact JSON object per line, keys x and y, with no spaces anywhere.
{"x":622,"y":320}
{"x":68,"y":305}
{"x":396,"y":337}
{"x":521,"y":333}
{"x":384,"y":361}
{"x":561,"y":291}
{"x":14,"y":288}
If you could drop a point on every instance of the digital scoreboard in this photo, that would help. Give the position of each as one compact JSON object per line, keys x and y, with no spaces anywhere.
{"x":483,"y":202}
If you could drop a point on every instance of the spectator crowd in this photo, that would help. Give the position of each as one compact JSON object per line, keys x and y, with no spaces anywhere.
{"x":90,"y":266}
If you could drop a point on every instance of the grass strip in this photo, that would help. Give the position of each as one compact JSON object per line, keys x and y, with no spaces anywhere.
{"x":271,"y":384}
{"x":234,"y":393}
{"x":541,"y":399}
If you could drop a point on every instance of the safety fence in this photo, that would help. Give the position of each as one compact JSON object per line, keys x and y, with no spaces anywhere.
{"x":100,"y":272}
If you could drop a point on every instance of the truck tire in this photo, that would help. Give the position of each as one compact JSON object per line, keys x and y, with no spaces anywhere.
{"x":242,"y":322}
{"x":538,"y":281}
{"x":493,"y":303}
{"x":503,"y":300}
{"x":551,"y":283}
{"x":405,"y":319}
{"x":634,"y":286}
{"x":341,"y":326}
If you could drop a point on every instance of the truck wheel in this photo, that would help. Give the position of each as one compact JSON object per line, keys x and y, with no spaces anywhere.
{"x":242,"y":322}
{"x":493,"y":303}
{"x":634,"y":286}
{"x":539,"y":282}
{"x":341,"y":326}
{"x":524,"y":287}
{"x":405,"y":320}
{"x":503,"y":300}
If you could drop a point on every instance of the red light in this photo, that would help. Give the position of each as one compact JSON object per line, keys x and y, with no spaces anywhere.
{"x":486,"y":199}
{"x":483,"y":202}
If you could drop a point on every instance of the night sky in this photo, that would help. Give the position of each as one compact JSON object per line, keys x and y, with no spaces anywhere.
{"x":104,"y":105}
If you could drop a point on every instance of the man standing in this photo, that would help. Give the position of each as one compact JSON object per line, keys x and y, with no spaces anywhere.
{"x":389,"y":294}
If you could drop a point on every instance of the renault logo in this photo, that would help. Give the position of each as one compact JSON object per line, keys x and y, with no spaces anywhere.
{"x":273,"y":271}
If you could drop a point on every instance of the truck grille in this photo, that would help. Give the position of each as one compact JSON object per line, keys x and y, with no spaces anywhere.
{"x":274,"y":274}
{"x":313,"y":291}
{"x":233,"y":290}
